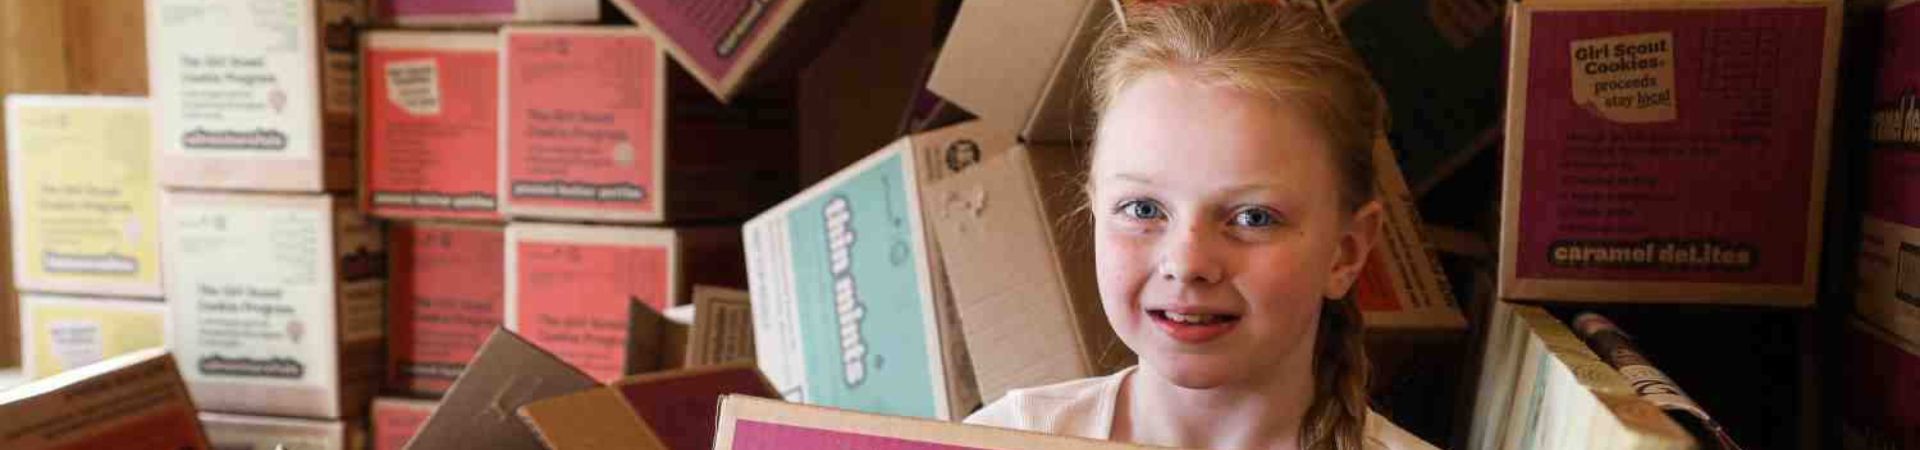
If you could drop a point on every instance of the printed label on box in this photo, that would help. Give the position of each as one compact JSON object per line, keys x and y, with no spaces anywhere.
{"x":1625,"y":79}
{"x":237,"y":80}
{"x":724,"y":329}
{"x":65,"y":334}
{"x":84,"y":193}
{"x":250,"y":292}
{"x":573,"y":299}
{"x":432,"y":135}
{"x":838,"y":282}
{"x":448,"y":286}
{"x":1647,"y":165}
{"x":1888,"y":291}
{"x":582,"y":126}
{"x":713,"y":34}
{"x":752,"y":435}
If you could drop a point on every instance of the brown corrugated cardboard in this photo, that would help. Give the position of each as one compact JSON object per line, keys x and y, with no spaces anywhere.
{"x":730,"y":45}
{"x":598,"y":126}
{"x":1667,"y":151}
{"x":241,"y":432}
{"x":396,"y":420}
{"x":750,"y":423}
{"x":860,"y":236}
{"x":722,"y":330}
{"x":136,"y":400}
{"x":446,"y":292}
{"x":430,"y":135}
{"x":855,"y":94}
{"x":478,"y":412}
{"x":665,"y":410}
{"x":483,"y":13}
{"x":574,"y":289}
{"x":1019,"y":64}
{"x":277,"y":301}
{"x":1402,"y":287}
{"x":1021,"y":268}
{"x":252,"y":101}
{"x":85,"y":206}
{"x":73,"y":47}
{"x":60,"y":333}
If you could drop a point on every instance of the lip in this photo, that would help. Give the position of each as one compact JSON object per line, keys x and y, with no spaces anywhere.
{"x":1191,"y":333}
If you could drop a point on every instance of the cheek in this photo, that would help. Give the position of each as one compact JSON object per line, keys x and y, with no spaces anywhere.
{"x":1122,"y":263}
{"x":1287,"y":280}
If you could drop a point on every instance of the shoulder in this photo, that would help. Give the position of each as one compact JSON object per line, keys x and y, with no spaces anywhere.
{"x":1081,"y":408}
{"x":1382,"y":434}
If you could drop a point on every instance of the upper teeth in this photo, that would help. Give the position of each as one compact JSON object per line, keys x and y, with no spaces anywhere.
{"x":1190,"y":318}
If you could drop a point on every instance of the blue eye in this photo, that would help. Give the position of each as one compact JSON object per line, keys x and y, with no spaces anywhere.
{"x":1142,"y":210}
{"x":1255,"y":218}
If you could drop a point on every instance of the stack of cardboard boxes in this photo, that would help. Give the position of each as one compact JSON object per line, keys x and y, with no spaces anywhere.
{"x":85,"y":230}
{"x":1665,"y":153}
{"x":276,"y":279}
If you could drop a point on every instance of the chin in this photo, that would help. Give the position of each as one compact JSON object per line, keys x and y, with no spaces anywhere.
{"x":1196,"y":371}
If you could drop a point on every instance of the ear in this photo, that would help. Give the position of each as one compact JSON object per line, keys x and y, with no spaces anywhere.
{"x":1356,"y":243}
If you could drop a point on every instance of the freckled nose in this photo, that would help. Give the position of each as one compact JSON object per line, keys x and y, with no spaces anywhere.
{"x":1188,"y":258}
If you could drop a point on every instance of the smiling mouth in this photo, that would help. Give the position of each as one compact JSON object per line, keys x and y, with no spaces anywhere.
{"x":1192,"y":319}
{"x":1193,"y":327}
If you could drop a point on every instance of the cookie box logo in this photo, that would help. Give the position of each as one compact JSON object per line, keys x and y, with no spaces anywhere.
{"x":261,"y":139}
{"x":846,"y":297}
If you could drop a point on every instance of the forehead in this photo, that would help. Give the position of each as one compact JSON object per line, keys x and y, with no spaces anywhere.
{"x":1180,"y":132}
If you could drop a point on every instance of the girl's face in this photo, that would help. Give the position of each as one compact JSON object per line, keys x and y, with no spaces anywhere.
{"x":1218,"y":230}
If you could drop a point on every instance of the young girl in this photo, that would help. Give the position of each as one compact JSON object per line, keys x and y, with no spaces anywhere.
{"x":1231,"y":187}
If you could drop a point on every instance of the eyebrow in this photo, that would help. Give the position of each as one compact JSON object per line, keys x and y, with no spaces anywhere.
{"x":1139,"y":179}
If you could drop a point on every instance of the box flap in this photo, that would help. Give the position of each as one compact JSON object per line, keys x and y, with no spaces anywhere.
{"x":478,"y":411}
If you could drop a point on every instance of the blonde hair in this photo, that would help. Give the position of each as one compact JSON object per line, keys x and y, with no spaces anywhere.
{"x":1290,"y":53}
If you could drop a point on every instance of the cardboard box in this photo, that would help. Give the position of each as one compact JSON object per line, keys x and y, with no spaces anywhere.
{"x":599,"y":127}
{"x":664,"y":410}
{"x":136,"y":400}
{"x":733,"y":44}
{"x":250,"y":100}
{"x":853,"y":256}
{"x":1020,"y":263}
{"x":396,"y":420}
{"x":480,"y":13}
{"x":1879,"y":405}
{"x":1402,"y":286}
{"x":277,"y":301}
{"x":508,"y":373}
{"x":1667,"y":151}
{"x":1888,"y":291}
{"x":577,"y":289}
{"x":85,"y":204}
{"x":431,"y":135}
{"x":241,"y":432}
{"x":1020,"y":64}
{"x":446,"y":294}
{"x":676,"y":331}
{"x":61,"y":333}
{"x":63,"y":47}
{"x":722,"y":330}
{"x":750,"y":423}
